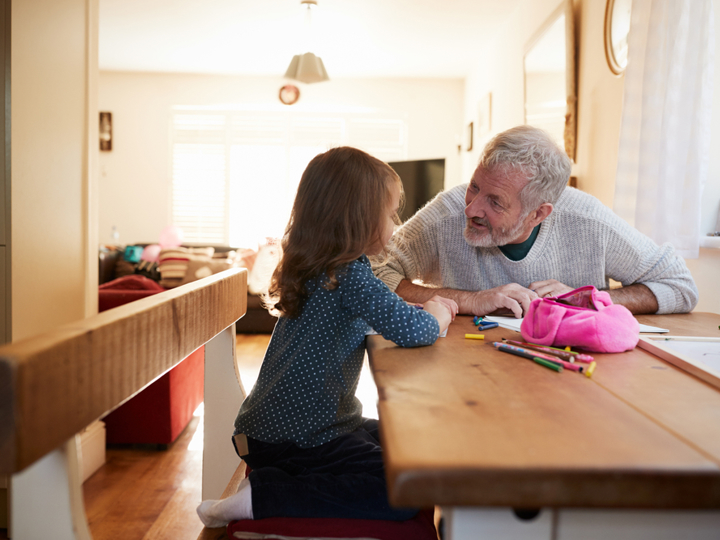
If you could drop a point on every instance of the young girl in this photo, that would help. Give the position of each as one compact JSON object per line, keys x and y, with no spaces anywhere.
{"x":300,"y":430}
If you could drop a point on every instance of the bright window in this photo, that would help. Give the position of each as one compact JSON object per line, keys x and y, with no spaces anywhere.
{"x":235,"y":173}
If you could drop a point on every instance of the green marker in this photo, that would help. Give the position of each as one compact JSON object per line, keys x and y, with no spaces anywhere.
{"x":548,"y":364}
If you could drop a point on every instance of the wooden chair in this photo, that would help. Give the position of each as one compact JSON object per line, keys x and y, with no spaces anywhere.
{"x":55,"y":384}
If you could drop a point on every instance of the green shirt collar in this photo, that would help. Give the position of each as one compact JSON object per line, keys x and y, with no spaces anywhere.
{"x":517,"y":252}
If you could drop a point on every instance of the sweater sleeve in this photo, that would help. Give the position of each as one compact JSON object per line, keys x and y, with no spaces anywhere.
{"x":413,"y":252}
{"x":370,"y":299}
{"x":632,"y":257}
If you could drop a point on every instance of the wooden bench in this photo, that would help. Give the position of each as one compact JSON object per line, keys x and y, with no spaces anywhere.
{"x":55,"y":384}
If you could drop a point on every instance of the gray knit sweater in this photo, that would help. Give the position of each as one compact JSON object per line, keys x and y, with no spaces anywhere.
{"x":582,"y":242}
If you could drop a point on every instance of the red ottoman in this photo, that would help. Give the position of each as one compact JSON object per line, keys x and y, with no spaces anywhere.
{"x":159,"y":413}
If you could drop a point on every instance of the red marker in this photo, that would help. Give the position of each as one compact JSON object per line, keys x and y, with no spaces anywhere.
{"x":565,"y":355}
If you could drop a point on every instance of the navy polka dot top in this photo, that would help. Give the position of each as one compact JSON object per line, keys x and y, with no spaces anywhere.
{"x":305,"y":392}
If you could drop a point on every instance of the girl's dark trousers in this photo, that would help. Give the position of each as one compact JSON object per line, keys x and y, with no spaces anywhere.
{"x":343,"y":478}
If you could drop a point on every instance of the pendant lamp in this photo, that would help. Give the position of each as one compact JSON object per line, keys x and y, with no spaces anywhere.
{"x":307,"y":67}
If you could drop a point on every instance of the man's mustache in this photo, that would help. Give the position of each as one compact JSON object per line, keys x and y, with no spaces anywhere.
{"x":481,"y":221}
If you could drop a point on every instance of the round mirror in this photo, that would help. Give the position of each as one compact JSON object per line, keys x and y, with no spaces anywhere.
{"x":617,"y":29}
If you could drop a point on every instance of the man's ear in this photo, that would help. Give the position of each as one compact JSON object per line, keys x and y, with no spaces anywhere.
{"x":540,"y":213}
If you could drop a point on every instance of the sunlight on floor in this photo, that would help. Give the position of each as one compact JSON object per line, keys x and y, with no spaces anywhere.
{"x":196,"y":443}
{"x":367,"y":391}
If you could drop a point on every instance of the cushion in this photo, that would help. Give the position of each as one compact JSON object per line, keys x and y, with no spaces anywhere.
{"x":125,"y":289}
{"x":202,"y":269}
{"x":132,"y":282}
{"x":421,"y":527}
{"x":173,"y":262}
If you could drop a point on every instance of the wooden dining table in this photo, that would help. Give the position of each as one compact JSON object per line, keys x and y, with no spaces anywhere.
{"x":511,"y":449}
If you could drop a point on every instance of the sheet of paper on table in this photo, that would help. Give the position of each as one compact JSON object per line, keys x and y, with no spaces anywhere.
{"x":705,"y":352}
{"x":514,"y":324}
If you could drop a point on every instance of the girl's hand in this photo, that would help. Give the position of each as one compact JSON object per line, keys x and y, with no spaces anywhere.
{"x":443,"y":309}
{"x":450,"y":304}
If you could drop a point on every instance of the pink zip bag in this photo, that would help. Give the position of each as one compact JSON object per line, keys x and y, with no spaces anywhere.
{"x":585,"y":318}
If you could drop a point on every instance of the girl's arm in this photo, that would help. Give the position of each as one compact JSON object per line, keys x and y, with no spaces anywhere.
{"x":370,"y":299}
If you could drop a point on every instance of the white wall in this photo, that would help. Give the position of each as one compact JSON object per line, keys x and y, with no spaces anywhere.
{"x":135,"y":175}
{"x":54,"y":271}
{"x":499,"y":70}
{"x":600,"y":97}
{"x":711,"y":194}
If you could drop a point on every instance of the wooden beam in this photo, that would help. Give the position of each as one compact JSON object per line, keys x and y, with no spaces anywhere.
{"x":55,"y":384}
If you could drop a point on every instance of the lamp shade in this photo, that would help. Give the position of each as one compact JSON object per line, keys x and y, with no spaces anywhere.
{"x":307,"y":68}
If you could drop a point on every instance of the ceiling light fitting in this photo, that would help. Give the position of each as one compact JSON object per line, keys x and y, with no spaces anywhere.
{"x":307,"y":67}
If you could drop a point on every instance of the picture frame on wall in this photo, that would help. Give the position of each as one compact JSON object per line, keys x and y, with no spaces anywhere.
{"x":105,"y":131}
{"x":469,"y":137}
{"x":484,"y":122}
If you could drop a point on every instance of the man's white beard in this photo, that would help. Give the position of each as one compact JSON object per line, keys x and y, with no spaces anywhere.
{"x":491,"y":237}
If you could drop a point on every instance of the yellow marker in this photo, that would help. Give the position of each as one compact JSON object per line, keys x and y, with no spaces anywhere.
{"x":590,"y":369}
{"x":474,"y":336}
{"x":568,"y":349}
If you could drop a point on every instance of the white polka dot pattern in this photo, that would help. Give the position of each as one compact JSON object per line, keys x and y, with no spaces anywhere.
{"x":305,"y":392}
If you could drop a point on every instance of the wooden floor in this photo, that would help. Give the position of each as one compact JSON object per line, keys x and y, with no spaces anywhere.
{"x":144,"y":493}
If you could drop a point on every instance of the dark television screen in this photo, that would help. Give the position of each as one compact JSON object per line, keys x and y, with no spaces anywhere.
{"x":422,"y":180}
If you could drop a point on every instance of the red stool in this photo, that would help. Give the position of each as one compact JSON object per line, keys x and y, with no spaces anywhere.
{"x":421,"y":527}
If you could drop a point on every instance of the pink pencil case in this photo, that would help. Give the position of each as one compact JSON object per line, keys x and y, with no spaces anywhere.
{"x":585,"y":318}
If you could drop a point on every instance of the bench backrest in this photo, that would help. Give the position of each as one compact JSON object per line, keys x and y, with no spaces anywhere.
{"x":53,"y":385}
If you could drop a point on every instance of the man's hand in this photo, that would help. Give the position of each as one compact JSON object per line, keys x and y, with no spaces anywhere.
{"x":549,"y":287}
{"x":507,"y":299}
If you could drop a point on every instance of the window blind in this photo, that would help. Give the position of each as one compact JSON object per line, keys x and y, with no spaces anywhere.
{"x":235,"y":173}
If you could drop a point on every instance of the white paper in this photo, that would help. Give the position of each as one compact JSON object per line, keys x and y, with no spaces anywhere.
{"x":704,"y":352}
{"x":514,"y":324}
{"x":505,"y":322}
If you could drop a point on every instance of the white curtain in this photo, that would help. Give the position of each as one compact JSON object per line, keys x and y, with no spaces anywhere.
{"x":665,"y":134}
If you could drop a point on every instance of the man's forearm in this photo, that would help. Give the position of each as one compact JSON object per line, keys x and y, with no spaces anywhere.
{"x":411,"y":292}
{"x":510,"y":299}
{"x":637,"y":298}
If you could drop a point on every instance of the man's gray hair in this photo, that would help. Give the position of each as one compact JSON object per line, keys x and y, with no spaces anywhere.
{"x":536,"y":156}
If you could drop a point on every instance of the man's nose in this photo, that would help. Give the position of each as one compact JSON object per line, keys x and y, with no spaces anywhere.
{"x":474,"y":208}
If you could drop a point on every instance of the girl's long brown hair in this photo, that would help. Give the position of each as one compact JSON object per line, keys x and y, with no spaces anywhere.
{"x":340,"y":202}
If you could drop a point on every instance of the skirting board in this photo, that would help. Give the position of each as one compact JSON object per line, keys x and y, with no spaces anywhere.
{"x":93,"y":449}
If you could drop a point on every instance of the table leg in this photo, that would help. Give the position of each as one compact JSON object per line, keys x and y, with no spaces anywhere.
{"x":46,"y":498}
{"x":223,"y":395}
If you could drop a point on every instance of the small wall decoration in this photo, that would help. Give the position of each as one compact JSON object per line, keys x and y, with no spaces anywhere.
{"x":470,"y":137}
{"x":484,"y":124}
{"x":289,"y":94}
{"x":105,"y":131}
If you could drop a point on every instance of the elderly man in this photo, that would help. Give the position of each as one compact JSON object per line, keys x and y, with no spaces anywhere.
{"x":516,"y":232}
